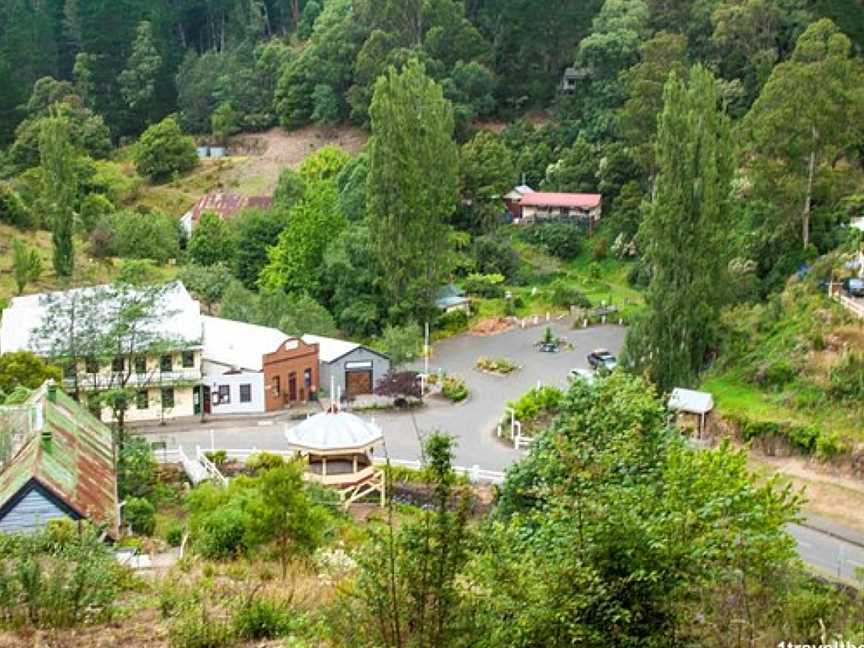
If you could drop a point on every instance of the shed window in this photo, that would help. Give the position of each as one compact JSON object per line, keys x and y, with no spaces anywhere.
{"x":245,"y":393}
{"x":224,"y":394}
{"x":140,"y":364}
{"x":166,"y":362}
{"x":167,"y":397}
{"x":141,"y":400}
{"x":276,"y":387}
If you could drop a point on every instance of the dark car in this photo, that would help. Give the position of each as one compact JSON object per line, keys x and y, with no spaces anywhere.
{"x":854,"y":287}
{"x":602,"y":359}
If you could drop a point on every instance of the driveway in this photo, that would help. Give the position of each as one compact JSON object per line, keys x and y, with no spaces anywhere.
{"x":471,"y":422}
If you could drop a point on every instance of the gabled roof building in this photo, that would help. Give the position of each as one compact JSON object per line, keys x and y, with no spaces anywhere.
{"x":57,"y":462}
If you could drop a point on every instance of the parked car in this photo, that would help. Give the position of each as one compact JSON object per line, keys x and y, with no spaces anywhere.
{"x":854,"y":287}
{"x":549,"y":347}
{"x":602,"y":359}
{"x":582,"y":374}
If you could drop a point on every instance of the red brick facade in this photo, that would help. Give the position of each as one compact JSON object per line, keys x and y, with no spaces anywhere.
{"x":290,"y":374}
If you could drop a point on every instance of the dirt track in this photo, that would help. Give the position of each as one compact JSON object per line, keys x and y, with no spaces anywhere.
{"x":266,"y":154}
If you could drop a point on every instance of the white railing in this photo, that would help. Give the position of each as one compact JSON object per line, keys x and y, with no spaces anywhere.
{"x":109,"y":380}
{"x":854,"y":306}
{"x":210,"y":467}
{"x":519,"y":439}
{"x":175,"y":455}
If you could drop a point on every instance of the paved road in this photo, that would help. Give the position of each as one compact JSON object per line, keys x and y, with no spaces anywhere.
{"x":473,"y":422}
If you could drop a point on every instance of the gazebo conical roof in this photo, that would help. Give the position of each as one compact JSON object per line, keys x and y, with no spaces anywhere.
{"x":334,"y":433}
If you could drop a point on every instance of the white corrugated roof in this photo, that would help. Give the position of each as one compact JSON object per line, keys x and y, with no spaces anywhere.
{"x":329,"y":349}
{"x":182,"y":320}
{"x":333,"y":432}
{"x":238,"y":344}
{"x":693,"y":402}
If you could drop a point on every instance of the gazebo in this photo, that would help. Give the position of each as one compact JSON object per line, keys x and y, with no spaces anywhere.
{"x":692,"y":402}
{"x":338,"y":447}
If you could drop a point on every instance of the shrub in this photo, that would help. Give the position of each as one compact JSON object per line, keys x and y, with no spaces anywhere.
{"x":164,"y":151}
{"x":12,"y":209}
{"x":140,"y":515}
{"x":545,"y":400}
{"x":775,"y":374}
{"x":218,"y":457}
{"x":136,"y":235}
{"x":454,"y":389}
{"x":399,"y":383}
{"x":564,"y":295}
{"x":261,"y":461}
{"x":94,"y":207}
{"x":495,"y":255}
{"x":847,"y":378}
{"x":562,"y":240}
{"x":221,"y":534}
{"x":136,"y":468}
{"x":452,"y":322}
{"x":484,"y":285}
{"x":174,"y":534}
{"x":496,"y":365}
{"x":261,"y":619}
{"x":600,"y":249}
{"x":194,"y":628}
{"x":55,"y":579}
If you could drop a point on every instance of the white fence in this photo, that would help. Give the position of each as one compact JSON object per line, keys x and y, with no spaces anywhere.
{"x":176,"y":455}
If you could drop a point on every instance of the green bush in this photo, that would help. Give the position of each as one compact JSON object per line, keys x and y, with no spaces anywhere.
{"x":56,"y":579}
{"x":12,"y":209}
{"x":847,"y":378}
{"x":775,"y":374}
{"x":140,"y":515}
{"x":136,"y":469}
{"x":261,"y":619}
{"x":484,"y":285}
{"x":496,"y":365}
{"x":600,"y":248}
{"x":495,"y":255}
{"x":564,"y":295}
{"x":164,"y":151}
{"x":135,"y":235}
{"x":453,"y":322}
{"x":261,"y":461}
{"x":807,"y":439}
{"x":536,"y":402}
{"x":218,"y":457}
{"x":454,"y":389}
{"x":174,"y":534}
{"x":221,"y":534}
{"x":192,"y":627}
{"x":562,"y":240}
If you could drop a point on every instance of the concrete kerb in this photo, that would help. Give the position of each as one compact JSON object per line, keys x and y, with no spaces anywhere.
{"x":832,"y":529}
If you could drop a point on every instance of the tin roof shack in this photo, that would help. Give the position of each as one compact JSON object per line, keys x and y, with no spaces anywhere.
{"x":57,"y":462}
{"x":225,"y":205}
{"x":348,"y":367}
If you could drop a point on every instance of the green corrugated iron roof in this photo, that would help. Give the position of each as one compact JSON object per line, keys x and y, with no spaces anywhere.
{"x":72,"y":456}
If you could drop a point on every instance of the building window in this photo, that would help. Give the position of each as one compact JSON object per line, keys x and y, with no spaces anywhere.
{"x":276,"y":387}
{"x":245,"y":393}
{"x":167,"y":397}
{"x":91,"y":365}
{"x":118,"y":364}
{"x":224,"y":394}
{"x":140,"y":364}
{"x":307,"y":377}
{"x":188,"y":359}
{"x":69,"y":370}
{"x":166,"y":363}
{"x":141,"y":401}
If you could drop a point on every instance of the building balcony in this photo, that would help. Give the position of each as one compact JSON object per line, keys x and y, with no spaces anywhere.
{"x":136,"y":380}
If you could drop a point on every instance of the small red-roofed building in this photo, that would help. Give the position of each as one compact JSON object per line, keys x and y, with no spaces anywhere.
{"x":225,"y":205}
{"x":543,"y":205}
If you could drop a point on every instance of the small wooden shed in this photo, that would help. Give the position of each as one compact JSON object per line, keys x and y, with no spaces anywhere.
{"x":696,"y":403}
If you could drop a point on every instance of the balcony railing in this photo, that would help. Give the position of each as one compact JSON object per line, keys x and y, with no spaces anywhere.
{"x":152,"y":378}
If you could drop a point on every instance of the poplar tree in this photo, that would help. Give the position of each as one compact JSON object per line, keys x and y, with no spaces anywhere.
{"x":685,"y":236}
{"x":412,"y":184}
{"x":59,"y":190}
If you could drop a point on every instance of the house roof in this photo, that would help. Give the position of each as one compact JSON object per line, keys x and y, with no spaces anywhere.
{"x":227,"y":205}
{"x":517,"y":192}
{"x":75,"y":463}
{"x":330,"y":349}
{"x":182,"y":320}
{"x":450,"y":295}
{"x":692,"y":402}
{"x":550,"y":199}
{"x":333,"y":432}
{"x":238,"y":344}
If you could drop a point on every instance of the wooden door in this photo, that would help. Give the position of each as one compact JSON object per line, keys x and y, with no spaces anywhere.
{"x":292,"y":387}
{"x":357,"y":383}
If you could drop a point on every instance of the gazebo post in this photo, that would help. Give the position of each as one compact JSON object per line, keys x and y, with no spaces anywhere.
{"x":323,"y":465}
{"x":354,"y":463}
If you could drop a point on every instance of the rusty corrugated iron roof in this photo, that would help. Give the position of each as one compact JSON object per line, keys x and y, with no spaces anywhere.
{"x":71,"y":456}
{"x":228,"y":205}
